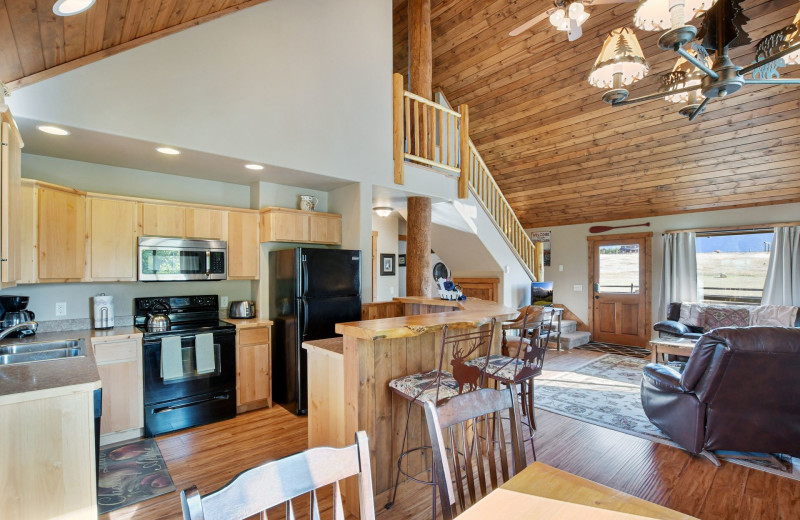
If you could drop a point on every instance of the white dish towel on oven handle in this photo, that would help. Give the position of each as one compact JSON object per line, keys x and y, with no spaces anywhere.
{"x":204,"y":353}
{"x":171,"y":358}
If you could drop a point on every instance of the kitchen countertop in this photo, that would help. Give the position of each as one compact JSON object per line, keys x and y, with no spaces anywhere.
{"x":332,"y":345}
{"x":478,"y":313}
{"x":248,"y":323}
{"x":51,"y":378}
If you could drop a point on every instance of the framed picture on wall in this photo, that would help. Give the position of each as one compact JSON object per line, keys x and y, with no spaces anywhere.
{"x":401,"y":260}
{"x":387,"y":264}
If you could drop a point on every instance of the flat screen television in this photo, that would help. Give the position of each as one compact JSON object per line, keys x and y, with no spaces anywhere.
{"x":542,"y":293}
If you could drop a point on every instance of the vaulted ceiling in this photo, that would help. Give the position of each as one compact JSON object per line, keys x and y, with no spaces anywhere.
{"x":562,"y":156}
{"x":36,"y":44}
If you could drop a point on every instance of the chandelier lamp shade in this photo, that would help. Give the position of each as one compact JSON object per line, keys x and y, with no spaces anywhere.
{"x":703,"y":71}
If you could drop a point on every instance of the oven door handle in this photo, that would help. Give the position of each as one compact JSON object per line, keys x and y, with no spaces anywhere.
{"x":193,"y":403}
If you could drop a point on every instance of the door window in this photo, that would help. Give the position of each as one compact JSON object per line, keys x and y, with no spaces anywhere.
{"x":618,"y":269}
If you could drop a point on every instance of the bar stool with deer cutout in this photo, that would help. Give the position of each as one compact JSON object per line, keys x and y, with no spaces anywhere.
{"x":438,"y":385}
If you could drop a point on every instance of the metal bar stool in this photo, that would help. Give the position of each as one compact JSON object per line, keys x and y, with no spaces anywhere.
{"x":525,"y":364}
{"x":438,"y":385}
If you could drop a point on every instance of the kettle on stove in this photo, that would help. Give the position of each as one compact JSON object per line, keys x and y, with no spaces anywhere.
{"x":158,"y":321}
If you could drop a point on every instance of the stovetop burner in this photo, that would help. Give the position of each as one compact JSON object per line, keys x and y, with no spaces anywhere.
{"x":198,"y":327}
{"x":187,"y":315}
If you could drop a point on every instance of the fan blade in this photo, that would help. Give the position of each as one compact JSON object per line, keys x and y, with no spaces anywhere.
{"x":601,"y":2}
{"x":575,"y":30}
{"x":527,"y":25}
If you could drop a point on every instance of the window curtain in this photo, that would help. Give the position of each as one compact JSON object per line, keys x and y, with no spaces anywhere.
{"x":679,"y":276}
{"x":782,"y":286}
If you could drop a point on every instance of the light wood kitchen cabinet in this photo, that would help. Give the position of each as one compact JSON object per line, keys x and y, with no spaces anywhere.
{"x":243,"y":245}
{"x":29,"y":236}
{"x":326,"y":229}
{"x":253,"y":374}
{"x":119,"y":362}
{"x":62,"y":234}
{"x":290,"y":225}
{"x":10,"y":205}
{"x":112,"y":239}
{"x":205,"y":223}
{"x":162,"y":220}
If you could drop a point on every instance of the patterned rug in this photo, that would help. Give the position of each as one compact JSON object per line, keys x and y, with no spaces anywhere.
{"x":129,"y":473}
{"x":605,"y":392}
{"x":610,"y":348}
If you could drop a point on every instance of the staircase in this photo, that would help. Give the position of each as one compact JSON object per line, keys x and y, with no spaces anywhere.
{"x":570,"y":337}
{"x":435,"y":135}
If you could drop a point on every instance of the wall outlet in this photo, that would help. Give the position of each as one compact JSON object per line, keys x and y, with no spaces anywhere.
{"x":391,"y":289}
{"x":223,"y":302}
{"x":577,"y":288}
{"x":61,"y":308}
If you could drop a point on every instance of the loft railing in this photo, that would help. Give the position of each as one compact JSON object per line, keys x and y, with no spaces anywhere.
{"x":428,"y":133}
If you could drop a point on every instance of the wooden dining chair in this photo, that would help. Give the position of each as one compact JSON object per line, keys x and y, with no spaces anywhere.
{"x":263,"y":487}
{"x":470,"y":430}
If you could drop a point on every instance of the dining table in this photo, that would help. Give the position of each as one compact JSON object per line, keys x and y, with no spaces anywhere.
{"x":541,"y":492}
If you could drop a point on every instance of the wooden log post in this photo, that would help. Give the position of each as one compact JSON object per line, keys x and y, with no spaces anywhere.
{"x":463,"y":180}
{"x":418,"y":251}
{"x":538,"y":261}
{"x":420,"y":51}
{"x":398,"y":128}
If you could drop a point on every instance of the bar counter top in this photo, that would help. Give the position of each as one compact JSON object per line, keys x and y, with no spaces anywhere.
{"x":474,"y":314}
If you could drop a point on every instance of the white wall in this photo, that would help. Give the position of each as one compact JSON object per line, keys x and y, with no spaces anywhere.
{"x":300,"y":84}
{"x":354,"y":203}
{"x":388,"y":229}
{"x":570,"y":249}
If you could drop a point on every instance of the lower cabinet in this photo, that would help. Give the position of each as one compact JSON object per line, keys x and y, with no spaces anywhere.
{"x":253,"y":371}
{"x":119,"y":362}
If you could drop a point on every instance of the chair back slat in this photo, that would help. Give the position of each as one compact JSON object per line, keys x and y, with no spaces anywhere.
{"x":338,"y":508}
{"x":254,"y":491}
{"x":470,"y":420}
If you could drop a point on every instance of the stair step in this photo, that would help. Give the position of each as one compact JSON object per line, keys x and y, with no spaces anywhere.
{"x":566,"y":326}
{"x":570,"y":340}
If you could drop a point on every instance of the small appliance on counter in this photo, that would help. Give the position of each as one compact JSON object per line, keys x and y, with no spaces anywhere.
{"x":103,"y":311}
{"x":244,"y":309}
{"x":14,"y":312}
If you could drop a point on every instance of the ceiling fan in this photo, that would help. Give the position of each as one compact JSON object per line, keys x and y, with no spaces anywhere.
{"x":566,"y":15}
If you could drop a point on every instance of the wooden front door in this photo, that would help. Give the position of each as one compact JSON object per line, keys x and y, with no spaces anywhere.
{"x":620,"y":289}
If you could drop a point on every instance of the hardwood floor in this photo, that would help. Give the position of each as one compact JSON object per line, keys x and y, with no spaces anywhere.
{"x":210,"y":456}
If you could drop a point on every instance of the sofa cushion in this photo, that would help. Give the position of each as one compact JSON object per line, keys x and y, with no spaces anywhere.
{"x":671,"y":327}
{"x":726,"y":316}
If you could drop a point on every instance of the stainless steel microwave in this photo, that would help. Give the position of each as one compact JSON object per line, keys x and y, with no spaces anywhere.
{"x":175,"y":259}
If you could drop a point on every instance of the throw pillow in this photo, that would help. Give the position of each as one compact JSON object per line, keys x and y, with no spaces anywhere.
{"x":727,"y":316}
{"x":773,"y":315}
{"x":693,"y":314}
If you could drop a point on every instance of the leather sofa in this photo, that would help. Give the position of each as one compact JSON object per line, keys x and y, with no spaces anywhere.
{"x":739,"y":392}
{"x":673,"y":327}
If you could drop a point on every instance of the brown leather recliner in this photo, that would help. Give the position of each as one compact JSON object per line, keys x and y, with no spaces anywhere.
{"x":740,"y":391}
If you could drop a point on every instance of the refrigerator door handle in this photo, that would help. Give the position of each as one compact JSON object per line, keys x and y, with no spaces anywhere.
{"x":305,"y":316}
{"x":305,"y":275}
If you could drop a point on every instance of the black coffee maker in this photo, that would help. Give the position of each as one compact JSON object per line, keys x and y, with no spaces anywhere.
{"x":14,"y":312}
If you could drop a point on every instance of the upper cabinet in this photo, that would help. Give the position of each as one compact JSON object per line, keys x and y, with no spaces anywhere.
{"x":243,"y":245}
{"x":205,"y":223}
{"x":291,"y":225}
{"x":10,"y":203}
{"x":112,"y":239}
{"x":62,"y":234}
{"x":161,"y":220}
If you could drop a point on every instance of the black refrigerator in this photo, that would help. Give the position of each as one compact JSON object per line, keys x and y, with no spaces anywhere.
{"x":310,"y":291}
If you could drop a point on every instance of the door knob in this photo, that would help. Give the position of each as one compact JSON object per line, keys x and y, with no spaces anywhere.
{"x":596,"y":297}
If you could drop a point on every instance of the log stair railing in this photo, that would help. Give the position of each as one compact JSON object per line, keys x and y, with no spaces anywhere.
{"x":432,"y":134}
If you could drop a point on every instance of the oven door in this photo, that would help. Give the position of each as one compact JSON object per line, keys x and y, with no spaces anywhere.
{"x":157,"y":390}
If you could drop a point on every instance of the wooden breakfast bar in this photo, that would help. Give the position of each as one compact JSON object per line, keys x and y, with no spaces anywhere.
{"x":373,"y":353}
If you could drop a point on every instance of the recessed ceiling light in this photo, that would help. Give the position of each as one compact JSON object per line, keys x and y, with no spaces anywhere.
{"x":167,"y":150}
{"x":253,"y":166}
{"x":52,"y":130}
{"x":70,"y":7}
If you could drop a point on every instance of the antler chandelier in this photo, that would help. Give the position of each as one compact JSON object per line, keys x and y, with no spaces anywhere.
{"x":703,"y":70}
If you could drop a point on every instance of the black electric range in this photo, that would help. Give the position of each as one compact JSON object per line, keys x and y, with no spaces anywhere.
{"x":193,"y":398}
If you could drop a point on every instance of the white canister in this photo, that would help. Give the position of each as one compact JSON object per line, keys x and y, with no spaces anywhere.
{"x":103,"y":311}
{"x":308,"y":202}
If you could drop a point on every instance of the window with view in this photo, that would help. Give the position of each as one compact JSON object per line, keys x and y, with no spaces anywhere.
{"x":732,"y":266}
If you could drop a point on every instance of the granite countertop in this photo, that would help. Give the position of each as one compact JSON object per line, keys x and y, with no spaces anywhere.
{"x":248,"y":323}
{"x":332,"y":345}
{"x":479,"y":313}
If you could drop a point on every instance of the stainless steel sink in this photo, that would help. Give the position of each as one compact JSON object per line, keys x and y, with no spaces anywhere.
{"x":29,"y":352}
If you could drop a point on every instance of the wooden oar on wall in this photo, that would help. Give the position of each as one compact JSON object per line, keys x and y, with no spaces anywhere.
{"x":603,"y":229}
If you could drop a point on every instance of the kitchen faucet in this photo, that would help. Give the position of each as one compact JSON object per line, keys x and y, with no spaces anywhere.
{"x":29,"y":325}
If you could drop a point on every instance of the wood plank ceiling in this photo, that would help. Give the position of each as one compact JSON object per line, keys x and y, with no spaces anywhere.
{"x":36,"y":44}
{"x":562,"y":156}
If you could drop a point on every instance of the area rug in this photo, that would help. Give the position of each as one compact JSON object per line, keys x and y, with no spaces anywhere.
{"x":605,"y":392}
{"x":129,"y":473}
{"x":610,"y":348}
